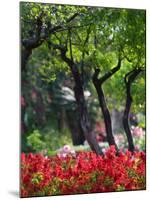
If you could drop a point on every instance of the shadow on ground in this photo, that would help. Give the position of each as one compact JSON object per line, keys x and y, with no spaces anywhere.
{"x":14,"y":193}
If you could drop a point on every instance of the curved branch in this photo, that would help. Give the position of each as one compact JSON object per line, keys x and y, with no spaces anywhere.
{"x":63,"y":51}
{"x":111,"y":72}
{"x":95,"y":76}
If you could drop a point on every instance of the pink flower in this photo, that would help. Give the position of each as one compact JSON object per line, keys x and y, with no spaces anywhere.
{"x":137,"y":147}
{"x":119,"y":138}
{"x":66,"y":148}
{"x":137,"y":132}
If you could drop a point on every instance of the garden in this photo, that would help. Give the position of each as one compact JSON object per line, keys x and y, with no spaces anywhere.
{"x":83,"y":99}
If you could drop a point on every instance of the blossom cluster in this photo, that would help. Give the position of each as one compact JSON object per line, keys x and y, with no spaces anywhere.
{"x":65,"y":151}
{"x":137,"y":132}
{"x":138,"y":138}
{"x":85,"y":173}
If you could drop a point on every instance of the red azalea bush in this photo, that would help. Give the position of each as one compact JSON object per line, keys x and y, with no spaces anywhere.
{"x":85,"y":173}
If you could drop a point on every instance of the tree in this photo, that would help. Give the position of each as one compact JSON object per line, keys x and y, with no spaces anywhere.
{"x":79,"y":95}
{"x":87,"y":40}
{"x":118,"y":35}
{"x":36,"y":26}
{"x":98,"y":85}
{"x":129,"y":79}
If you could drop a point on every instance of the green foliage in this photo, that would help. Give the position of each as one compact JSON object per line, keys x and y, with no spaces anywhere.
{"x":35,"y":142}
{"x":55,"y":139}
{"x":49,"y":140}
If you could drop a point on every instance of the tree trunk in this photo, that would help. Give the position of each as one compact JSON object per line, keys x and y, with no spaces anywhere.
{"x":98,"y":86}
{"x":75,"y":129}
{"x":24,"y":127}
{"x":39,"y":109}
{"x":106,"y":114}
{"x":83,"y":114}
{"x":126,"y":121}
{"x":25,"y":54}
{"x":129,"y":78}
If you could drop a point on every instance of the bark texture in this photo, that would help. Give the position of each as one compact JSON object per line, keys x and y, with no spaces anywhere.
{"x":98,"y":82}
{"x":129,"y":79}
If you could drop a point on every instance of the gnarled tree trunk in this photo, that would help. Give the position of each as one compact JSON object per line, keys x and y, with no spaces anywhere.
{"x":83,"y":113}
{"x":129,"y":78}
{"x":77,"y":134}
{"x":106,"y":114}
{"x":105,"y":111}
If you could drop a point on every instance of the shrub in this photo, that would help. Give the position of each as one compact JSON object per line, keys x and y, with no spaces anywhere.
{"x":48,"y":140}
{"x":35,"y":142}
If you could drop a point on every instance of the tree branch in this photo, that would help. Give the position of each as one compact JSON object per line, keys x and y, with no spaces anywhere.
{"x":70,"y":44}
{"x":83,"y":53}
{"x":61,"y":26}
{"x":95,"y":75}
{"x":127,"y":75}
{"x":111,"y":72}
{"x":106,"y":76}
{"x":35,"y":40}
{"x":72,"y":17}
{"x":132,"y":75}
{"x":63,"y":51}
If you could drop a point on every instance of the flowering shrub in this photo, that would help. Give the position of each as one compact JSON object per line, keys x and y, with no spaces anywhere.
{"x":138,"y":138}
{"x":85,"y":173}
{"x":40,"y":141}
{"x":65,"y":151}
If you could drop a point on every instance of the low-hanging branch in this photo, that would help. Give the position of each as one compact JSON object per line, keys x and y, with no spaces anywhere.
{"x":105,"y":111}
{"x":129,"y":79}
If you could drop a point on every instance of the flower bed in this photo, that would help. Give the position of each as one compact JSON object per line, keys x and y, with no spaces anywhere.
{"x":84,"y":173}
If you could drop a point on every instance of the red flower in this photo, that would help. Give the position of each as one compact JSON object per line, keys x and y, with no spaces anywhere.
{"x":85,"y":173}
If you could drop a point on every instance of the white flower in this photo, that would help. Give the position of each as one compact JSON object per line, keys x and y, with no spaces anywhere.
{"x":66,"y":148}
